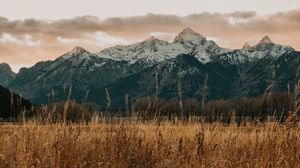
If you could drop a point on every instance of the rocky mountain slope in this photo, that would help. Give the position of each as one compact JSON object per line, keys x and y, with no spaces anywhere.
{"x":6,"y":74}
{"x":185,"y":69}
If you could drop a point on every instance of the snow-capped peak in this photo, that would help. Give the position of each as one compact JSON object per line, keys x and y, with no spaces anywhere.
{"x":265,"y":40}
{"x":78,"y":50}
{"x":246,"y":46}
{"x":188,"y":30}
{"x":189,"y":35}
{"x":265,"y":48}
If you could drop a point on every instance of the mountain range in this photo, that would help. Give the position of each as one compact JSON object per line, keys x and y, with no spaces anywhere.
{"x":134,"y":70}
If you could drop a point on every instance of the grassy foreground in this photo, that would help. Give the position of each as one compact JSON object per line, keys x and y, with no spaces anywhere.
{"x":149,"y":145}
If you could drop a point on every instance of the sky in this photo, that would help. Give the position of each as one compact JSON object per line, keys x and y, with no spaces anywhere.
{"x":40,"y":30}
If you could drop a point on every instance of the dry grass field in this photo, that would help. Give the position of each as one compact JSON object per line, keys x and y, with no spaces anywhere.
{"x":148,"y":145}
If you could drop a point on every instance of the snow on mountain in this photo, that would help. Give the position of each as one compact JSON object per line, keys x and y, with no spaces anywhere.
{"x":152,"y":49}
{"x":264,"y":48}
{"x":206,"y":52}
{"x":203,"y":49}
{"x":155,"y":50}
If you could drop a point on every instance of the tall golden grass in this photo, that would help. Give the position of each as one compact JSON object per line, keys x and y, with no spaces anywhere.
{"x":146,"y":144}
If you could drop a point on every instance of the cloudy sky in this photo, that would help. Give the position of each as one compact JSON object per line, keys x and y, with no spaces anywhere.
{"x":35,"y":30}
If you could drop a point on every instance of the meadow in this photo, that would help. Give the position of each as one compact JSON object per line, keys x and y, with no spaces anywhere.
{"x":147,"y":144}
